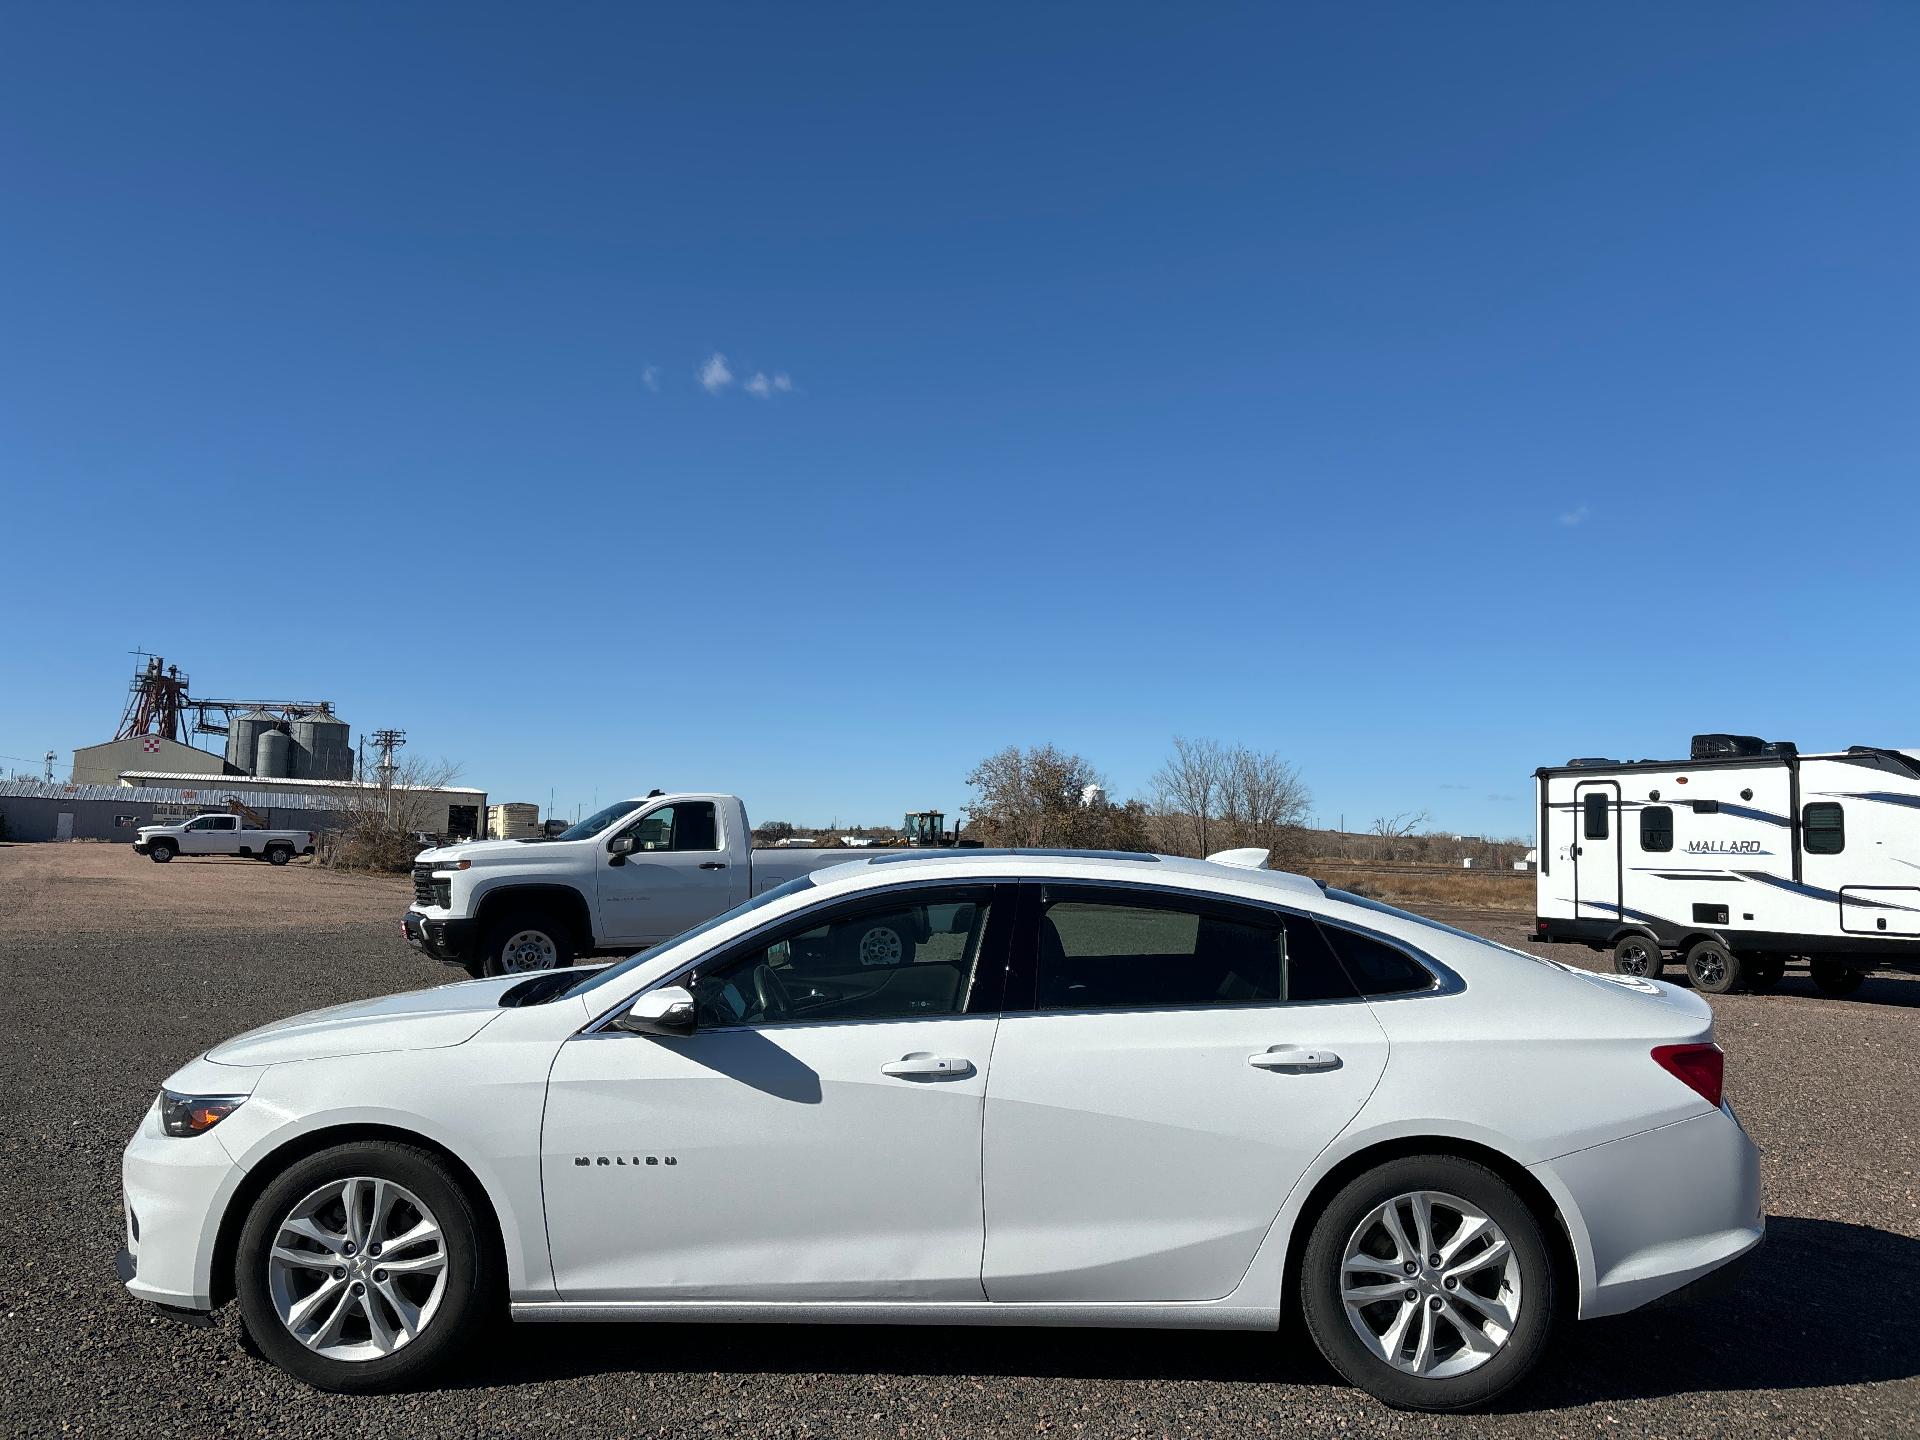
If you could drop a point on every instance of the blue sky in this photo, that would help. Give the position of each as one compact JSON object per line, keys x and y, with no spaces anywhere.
{"x":1423,"y":392}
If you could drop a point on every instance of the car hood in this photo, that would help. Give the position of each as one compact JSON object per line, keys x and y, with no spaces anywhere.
{"x":417,"y":1020}
{"x":481,"y":852}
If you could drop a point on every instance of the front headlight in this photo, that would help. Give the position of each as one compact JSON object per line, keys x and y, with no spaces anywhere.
{"x":195,"y":1114}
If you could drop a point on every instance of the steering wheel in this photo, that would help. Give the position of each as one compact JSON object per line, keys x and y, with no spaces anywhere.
{"x":772,"y":993}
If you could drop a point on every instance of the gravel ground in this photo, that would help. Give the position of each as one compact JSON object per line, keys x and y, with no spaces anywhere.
{"x":117,"y":970}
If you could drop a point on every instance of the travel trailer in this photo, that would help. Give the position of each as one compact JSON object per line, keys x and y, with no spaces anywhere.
{"x":1739,"y":860}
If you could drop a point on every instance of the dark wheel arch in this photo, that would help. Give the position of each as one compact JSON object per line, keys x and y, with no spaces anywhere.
{"x":226,"y":1245}
{"x":1552,"y":1223}
{"x":563,"y":902}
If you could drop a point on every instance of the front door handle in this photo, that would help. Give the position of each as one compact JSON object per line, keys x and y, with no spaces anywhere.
{"x":921,"y":1066}
{"x":1292,"y":1060}
{"x":713,"y":864}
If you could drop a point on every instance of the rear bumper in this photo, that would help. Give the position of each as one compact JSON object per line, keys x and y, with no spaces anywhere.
{"x":1657,"y":1211}
{"x":450,"y":941}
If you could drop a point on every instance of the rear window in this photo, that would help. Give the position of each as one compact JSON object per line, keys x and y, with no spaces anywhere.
{"x":1377,"y":967}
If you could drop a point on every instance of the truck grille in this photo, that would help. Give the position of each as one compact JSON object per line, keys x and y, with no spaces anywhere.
{"x":429,"y":891}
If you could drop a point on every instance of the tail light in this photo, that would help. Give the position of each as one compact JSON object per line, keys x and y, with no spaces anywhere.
{"x":1702,"y":1067}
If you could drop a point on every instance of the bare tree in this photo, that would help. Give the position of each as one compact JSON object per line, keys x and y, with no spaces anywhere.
{"x":1047,"y":796}
{"x":377,"y":827}
{"x":1210,"y":796}
{"x":1392,"y":829}
{"x":1186,"y":793}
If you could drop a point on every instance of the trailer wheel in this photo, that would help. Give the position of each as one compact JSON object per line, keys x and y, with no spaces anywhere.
{"x":1713,"y":969}
{"x":1833,"y":978}
{"x":160,"y":851}
{"x":1764,"y":972}
{"x":1638,"y":955}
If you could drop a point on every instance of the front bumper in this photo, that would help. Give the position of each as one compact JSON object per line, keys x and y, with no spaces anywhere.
{"x":451,"y":941}
{"x":1660,"y":1210}
{"x":175,"y":1190}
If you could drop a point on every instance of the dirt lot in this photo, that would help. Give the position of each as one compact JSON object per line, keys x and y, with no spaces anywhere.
{"x":117,"y":970}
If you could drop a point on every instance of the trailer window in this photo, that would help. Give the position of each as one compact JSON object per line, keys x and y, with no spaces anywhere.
{"x":1594,"y":811}
{"x":1823,"y":827}
{"x":1656,"y":827}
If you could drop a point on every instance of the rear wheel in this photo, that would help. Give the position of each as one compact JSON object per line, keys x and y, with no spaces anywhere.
{"x":1428,"y":1283}
{"x":364,"y":1267}
{"x":161,"y":851}
{"x":526,"y":943}
{"x":1713,"y":969}
{"x":1833,"y":978}
{"x":279,"y":854}
{"x":1638,"y":955}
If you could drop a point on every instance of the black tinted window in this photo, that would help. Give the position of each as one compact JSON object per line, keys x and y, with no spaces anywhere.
{"x":1594,"y":809}
{"x":1656,"y":827}
{"x":1108,"y":952}
{"x":1823,"y":827}
{"x":907,"y":958}
{"x":687,"y":826}
{"x":1376,"y":967}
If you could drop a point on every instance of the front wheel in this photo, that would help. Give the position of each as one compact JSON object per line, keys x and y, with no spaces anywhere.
{"x":526,"y":944}
{"x":1637,"y":955}
{"x":1713,"y":969}
{"x":160,"y":852}
{"x":364,"y":1267}
{"x":1428,"y":1283}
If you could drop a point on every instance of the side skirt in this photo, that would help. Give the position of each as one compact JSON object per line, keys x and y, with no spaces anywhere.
{"x":1202,"y":1315}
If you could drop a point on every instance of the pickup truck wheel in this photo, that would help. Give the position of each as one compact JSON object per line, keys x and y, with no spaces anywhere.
{"x":160,"y":851}
{"x":527,"y":943}
{"x":279,"y":854}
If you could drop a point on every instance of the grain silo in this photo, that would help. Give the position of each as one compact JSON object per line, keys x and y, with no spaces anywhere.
{"x":322,"y":748}
{"x":274,"y":758}
{"x":243,"y":737}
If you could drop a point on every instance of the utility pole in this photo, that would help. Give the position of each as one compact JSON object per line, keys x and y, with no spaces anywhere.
{"x":50,"y":757}
{"x":386,"y":742}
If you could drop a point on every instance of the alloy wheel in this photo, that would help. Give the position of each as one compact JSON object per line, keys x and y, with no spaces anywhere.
{"x":1430,"y":1284}
{"x":880,"y":946}
{"x":357,"y":1269}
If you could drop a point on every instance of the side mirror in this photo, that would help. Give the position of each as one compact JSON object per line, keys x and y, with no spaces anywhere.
{"x":620,"y":847}
{"x":666,"y":1011}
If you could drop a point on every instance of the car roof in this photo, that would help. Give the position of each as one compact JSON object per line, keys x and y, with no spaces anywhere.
{"x":1127,"y":866}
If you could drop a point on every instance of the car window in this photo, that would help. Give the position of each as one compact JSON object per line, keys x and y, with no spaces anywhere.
{"x":902,"y":958}
{"x":1377,"y":967}
{"x":1108,"y":951}
{"x":690,"y":825}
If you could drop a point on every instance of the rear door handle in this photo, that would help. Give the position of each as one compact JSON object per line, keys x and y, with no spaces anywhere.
{"x":713,"y":864}
{"x":1292,"y":1060}
{"x":921,"y":1066}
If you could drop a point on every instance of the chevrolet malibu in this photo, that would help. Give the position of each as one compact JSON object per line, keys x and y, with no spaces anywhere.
{"x":967,"y":1087}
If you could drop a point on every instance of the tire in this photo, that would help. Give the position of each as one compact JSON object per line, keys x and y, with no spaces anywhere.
{"x":1638,"y":955}
{"x":161,"y":851}
{"x":1459,"y":1379}
{"x":279,"y":854}
{"x":450,"y":1304}
{"x":882,"y":944}
{"x":526,"y":943}
{"x":1713,"y":969}
{"x":1765,"y":972}
{"x":1835,"y":979}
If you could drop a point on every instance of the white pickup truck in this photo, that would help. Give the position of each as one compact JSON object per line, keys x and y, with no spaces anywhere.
{"x":221,"y":834}
{"x":628,"y":877}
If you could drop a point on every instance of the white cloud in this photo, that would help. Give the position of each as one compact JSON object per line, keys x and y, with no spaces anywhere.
{"x":762,"y":386}
{"x":1576,"y":516}
{"x":714,"y":375}
{"x":650,"y":377}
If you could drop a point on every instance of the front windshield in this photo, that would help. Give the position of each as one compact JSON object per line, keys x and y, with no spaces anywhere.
{"x":614,"y":972}
{"x":591,"y":826}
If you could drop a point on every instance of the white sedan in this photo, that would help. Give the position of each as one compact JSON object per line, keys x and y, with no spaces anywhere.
{"x":967,"y":1087}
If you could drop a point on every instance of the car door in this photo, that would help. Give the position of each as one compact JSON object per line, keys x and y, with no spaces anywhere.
{"x":199,"y":838}
{"x":679,"y":873}
{"x":1180,"y":1063}
{"x":816,"y":1137}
